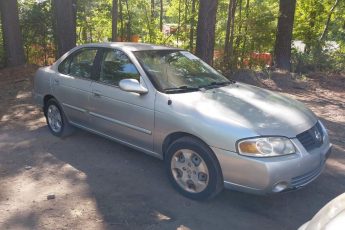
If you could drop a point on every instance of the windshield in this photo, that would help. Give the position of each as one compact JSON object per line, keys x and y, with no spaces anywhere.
{"x":178,"y":71}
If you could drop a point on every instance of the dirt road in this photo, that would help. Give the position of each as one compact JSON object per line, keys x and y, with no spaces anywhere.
{"x":99,"y":184}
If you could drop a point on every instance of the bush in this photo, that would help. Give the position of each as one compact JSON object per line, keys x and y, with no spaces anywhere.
{"x":318,"y":60}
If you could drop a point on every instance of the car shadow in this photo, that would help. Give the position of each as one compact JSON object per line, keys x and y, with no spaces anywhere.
{"x":131,"y":190}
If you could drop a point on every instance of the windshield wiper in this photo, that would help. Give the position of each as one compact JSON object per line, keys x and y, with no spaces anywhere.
{"x":215,"y":84}
{"x":181,"y":89}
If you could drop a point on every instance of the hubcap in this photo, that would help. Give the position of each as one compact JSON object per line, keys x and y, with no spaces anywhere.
{"x":189,"y":170}
{"x":54,"y":118}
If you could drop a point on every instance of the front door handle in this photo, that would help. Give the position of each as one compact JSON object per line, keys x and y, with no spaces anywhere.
{"x":97,"y":94}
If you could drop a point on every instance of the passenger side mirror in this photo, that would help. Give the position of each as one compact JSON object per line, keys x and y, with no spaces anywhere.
{"x":132,"y":85}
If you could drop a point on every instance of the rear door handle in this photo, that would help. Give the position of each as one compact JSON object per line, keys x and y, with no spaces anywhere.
{"x":56,"y":81}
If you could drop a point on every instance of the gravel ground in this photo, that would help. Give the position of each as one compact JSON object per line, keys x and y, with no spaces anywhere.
{"x":93,"y":183}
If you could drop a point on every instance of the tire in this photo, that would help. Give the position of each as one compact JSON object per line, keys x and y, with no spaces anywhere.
{"x":56,"y":119}
{"x":193,"y":169}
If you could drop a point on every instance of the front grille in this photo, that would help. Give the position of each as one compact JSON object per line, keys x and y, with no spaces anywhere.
{"x":306,"y":178}
{"x":312,"y":138}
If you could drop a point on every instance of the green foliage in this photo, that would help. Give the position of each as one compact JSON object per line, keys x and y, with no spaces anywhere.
{"x":311,"y":18}
{"x":254,"y":31}
{"x":93,"y":21}
{"x":37,"y":28}
{"x":318,"y":60}
{"x":179,"y":12}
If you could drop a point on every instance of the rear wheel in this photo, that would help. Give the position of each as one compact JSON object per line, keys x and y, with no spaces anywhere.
{"x":56,"y":120}
{"x":193,"y":169}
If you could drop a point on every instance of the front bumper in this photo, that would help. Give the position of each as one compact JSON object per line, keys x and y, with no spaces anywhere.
{"x":275,"y":174}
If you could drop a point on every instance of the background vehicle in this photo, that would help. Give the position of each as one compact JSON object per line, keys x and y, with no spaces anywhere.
{"x":330,"y":217}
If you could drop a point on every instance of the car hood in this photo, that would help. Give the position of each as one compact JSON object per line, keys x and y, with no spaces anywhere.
{"x":262,"y":111}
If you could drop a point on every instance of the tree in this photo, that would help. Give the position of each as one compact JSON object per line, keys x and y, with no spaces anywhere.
{"x":245,"y":29}
{"x":64,"y":25}
{"x":192,"y":22}
{"x":178,"y":23}
{"x":229,"y":37}
{"x":161,"y":16}
{"x":36,"y":26}
{"x":206,"y":30}
{"x":122,"y":28}
{"x":242,"y":28}
{"x":325,"y":31}
{"x":11,"y":33}
{"x":128,"y":22}
{"x":282,"y":50}
{"x":152,"y":9}
{"x":114,"y":21}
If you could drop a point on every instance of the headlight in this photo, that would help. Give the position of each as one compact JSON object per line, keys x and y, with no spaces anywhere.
{"x":266,"y":147}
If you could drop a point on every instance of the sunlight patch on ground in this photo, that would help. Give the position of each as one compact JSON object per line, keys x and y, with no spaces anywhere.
{"x":27,"y":116}
{"x":24,"y":196}
{"x":20,"y":144}
{"x":161,"y":216}
{"x":23,"y":95}
{"x":182,"y":227}
{"x":336,"y":165}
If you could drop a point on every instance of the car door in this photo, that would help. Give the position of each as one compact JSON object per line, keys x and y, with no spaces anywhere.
{"x":72,"y":85}
{"x":126,"y":116}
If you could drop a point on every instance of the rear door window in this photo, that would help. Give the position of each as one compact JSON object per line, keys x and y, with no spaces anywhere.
{"x":79,"y":64}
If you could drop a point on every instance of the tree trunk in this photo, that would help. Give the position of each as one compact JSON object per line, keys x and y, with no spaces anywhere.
{"x":239,"y":37}
{"x":179,"y":23}
{"x":114,"y":21}
{"x":161,"y":16}
{"x":229,"y":37}
{"x":148,"y":21}
{"x":206,"y":30}
{"x":128,"y":22}
{"x":122,"y":30}
{"x":232,"y":34}
{"x":13,"y":42}
{"x":244,"y":47}
{"x":65,"y":25}
{"x":152,"y":9}
{"x":192,"y":22}
{"x":309,"y":39}
{"x":185,"y":19}
{"x":282,"y":51}
{"x":325,"y":31}
{"x":227,"y":32}
{"x":90,"y":33}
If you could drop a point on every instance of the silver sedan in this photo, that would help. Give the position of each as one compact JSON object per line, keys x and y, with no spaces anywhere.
{"x":211,"y":132}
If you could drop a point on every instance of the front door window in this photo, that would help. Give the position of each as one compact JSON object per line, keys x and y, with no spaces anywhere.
{"x":116,"y":66}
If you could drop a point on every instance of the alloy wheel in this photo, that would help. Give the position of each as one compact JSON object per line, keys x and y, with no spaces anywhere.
{"x":54,"y":118}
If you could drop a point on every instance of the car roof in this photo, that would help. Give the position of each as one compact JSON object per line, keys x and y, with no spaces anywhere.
{"x":129,"y":46}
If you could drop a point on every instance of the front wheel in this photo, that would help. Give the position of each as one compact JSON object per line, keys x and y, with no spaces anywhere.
{"x":193,"y":169}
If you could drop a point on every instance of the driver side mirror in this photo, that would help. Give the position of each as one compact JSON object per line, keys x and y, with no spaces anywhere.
{"x":132,"y":85}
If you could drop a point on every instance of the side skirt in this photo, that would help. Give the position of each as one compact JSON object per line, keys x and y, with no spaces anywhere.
{"x":148,"y":152}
